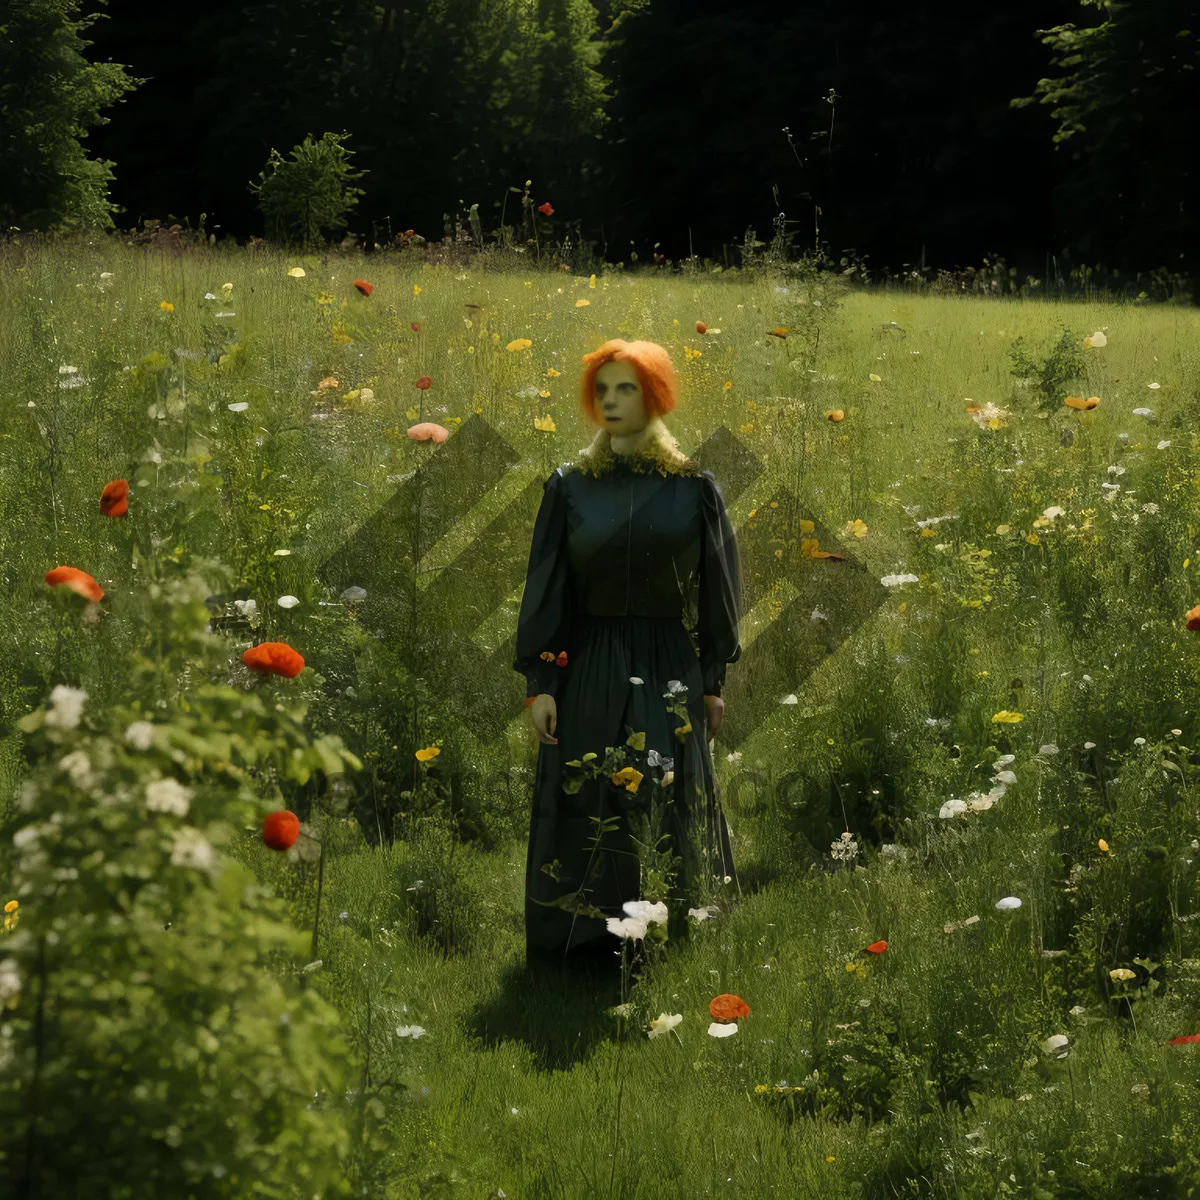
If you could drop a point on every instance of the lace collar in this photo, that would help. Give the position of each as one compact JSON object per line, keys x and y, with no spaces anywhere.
{"x":658,"y":451}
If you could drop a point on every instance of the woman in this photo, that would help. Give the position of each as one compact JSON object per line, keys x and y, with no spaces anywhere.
{"x":634,"y":573}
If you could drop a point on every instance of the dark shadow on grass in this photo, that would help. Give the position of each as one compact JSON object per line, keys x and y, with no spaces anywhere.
{"x":557,"y":1008}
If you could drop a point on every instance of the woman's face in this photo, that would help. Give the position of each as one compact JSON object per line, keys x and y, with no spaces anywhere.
{"x":620,"y":406}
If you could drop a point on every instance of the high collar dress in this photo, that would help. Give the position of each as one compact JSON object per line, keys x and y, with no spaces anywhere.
{"x":634,"y":572}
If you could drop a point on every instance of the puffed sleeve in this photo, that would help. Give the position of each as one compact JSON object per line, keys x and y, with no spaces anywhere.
{"x":719,"y":603}
{"x":545,"y":617}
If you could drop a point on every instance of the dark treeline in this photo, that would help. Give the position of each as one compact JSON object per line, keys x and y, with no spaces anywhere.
{"x":662,"y":121}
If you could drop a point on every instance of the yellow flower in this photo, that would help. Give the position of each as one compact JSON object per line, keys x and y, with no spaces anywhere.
{"x":428,"y":753}
{"x":1008,"y":718}
{"x":543,"y":394}
{"x":297,"y":272}
{"x":167,"y":306}
{"x":416,"y":289}
{"x":1003,"y":529}
{"x":553,"y":373}
{"x":519,"y":344}
{"x":545,"y":423}
{"x":858,"y":528}
{"x":12,"y":906}
{"x":582,"y":303}
{"x":592,"y":282}
{"x":1122,"y":973}
{"x":629,"y":776}
{"x":728,"y":384}
{"x":1034,"y":540}
{"x":1103,"y":845}
{"x":874,"y":379}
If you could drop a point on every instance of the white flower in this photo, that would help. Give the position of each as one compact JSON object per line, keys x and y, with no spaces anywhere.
{"x":28,"y":835}
{"x":412,"y":1031}
{"x":1008,"y":903}
{"x":287,"y":601}
{"x":354,"y":592}
{"x":1006,"y":777}
{"x":192,"y":849}
{"x":790,"y":699}
{"x":10,"y":979}
{"x":734,"y":756}
{"x":1047,"y":750}
{"x":79,"y":767}
{"x":1052,"y":512}
{"x":953,"y":808}
{"x":893,"y":580}
{"x":1139,"y":741}
{"x":673,"y":686}
{"x":845,"y":848}
{"x":703,"y":914}
{"x":1143,"y":412}
{"x":717,"y":1029}
{"x":314,"y":966}
{"x":1163,"y":444}
{"x":626,"y":927}
{"x":66,"y":707}
{"x":246,"y":608}
{"x":240,"y":406}
{"x":635,"y":679}
{"x":1150,"y":508}
{"x":1055,"y":1043}
{"x":168,"y":796}
{"x":140,"y":735}
{"x":664,"y":1023}
{"x":1089,"y":745}
{"x":644,"y":911}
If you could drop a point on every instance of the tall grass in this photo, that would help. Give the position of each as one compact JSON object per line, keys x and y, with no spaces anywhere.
{"x":920,"y":1071}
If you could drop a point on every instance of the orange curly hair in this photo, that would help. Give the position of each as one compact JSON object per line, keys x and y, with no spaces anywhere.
{"x":654,"y":370}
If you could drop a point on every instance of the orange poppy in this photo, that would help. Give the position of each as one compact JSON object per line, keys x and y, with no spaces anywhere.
{"x":701,"y":327}
{"x":562,"y":658}
{"x":546,"y":209}
{"x":427,"y":430}
{"x":728,"y":1007}
{"x":1193,"y":617}
{"x":836,"y":415}
{"x":78,"y":581}
{"x":364,"y":287}
{"x":114,"y":500}
{"x":424,"y":383}
{"x":1185,"y":1040}
{"x":280,"y":830}
{"x":877,"y":947}
{"x":274,"y":658}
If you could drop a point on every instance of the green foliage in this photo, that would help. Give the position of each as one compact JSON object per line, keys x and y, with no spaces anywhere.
{"x":49,"y":95}
{"x":1063,"y":367}
{"x":312,"y":193}
{"x":140,"y":1015}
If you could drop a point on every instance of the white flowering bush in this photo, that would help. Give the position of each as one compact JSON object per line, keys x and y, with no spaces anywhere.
{"x":146,"y":1048}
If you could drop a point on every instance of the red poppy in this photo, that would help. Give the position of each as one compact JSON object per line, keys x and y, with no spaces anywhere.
{"x":562,"y":658}
{"x":280,"y":830}
{"x":415,"y":326}
{"x":877,"y":947}
{"x":728,"y":1007}
{"x":78,"y":581}
{"x":1193,"y":617}
{"x":274,"y":658}
{"x":114,"y":500}
{"x":1183,"y":1041}
{"x":546,"y":209}
{"x":364,"y":287}
{"x":408,"y":233}
{"x":701,"y":327}
{"x":424,"y":383}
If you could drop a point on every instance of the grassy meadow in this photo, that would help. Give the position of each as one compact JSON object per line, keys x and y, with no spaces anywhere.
{"x":1015,"y":720}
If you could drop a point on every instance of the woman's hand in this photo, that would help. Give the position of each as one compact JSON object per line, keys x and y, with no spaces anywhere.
{"x":545,"y":719}
{"x":715,"y":708}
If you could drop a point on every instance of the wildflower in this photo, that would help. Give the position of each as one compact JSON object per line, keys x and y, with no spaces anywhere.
{"x":644,"y":910}
{"x":1193,"y":617}
{"x":519,"y":344}
{"x":140,"y":735}
{"x":114,"y":499}
{"x":424,"y":383}
{"x":1187,"y":1039}
{"x":1121,"y":974}
{"x":246,"y":608}
{"x":280,"y":830}
{"x":287,"y":601}
{"x":78,"y":581}
{"x":627,"y":927}
{"x":895,"y":580}
{"x":545,"y":424}
{"x":836,"y":415}
{"x":297,"y":272}
{"x":722,"y":1029}
{"x":192,"y":849}
{"x":877,"y":947}
{"x":354,"y":593}
{"x":79,"y":767}
{"x":628,"y":777}
{"x":844,"y":849}
{"x":412,"y":1031}
{"x":728,"y":1007}
{"x":10,"y":980}
{"x":167,"y":306}
{"x":274,"y":658}
{"x":1008,"y":718}
{"x":12,"y":906}
{"x":364,"y":287}
{"x":66,"y":707}
{"x":168,"y":796}
{"x":1103,"y":845}
{"x":430,"y":752}
{"x":1008,"y":903}
{"x":415,"y":326}
{"x":240,"y":406}
{"x":701,"y":327}
{"x":428,"y":430}
{"x":1055,"y":1043}
{"x":664,"y":1023}
{"x":547,"y":209}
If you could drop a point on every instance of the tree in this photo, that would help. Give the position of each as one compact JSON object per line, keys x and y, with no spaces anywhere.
{"x":49,"y":96}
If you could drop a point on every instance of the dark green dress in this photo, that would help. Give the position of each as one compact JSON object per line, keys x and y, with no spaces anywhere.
{"x":634,"y":572}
